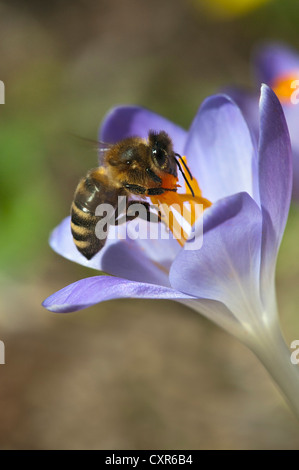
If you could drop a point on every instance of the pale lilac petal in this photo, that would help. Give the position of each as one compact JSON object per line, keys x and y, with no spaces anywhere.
{"x":220,"y":150}
{"x":227,"y":266}
{"x":92,"y":290}
{"x":127,"y":259}
{"x":124,"y":258}
{"x":127,"y":121}
{"x":274,"y":60}
{"x":160,"y":246}
{"x":275,"y":171}
{"x":249,"y":105}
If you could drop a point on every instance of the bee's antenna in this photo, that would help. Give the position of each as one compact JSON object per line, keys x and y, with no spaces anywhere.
{"x":181,"y":170}
{"x":185,"y":165}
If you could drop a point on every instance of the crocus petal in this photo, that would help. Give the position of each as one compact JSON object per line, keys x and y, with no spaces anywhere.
{"x":275,"y":176}
{"x":131,"y":259}
{"x":220,"y":150}
{"x":159,"y":246}
{"x":249,"y":105}
{"x":274,"y":60}
{"x":128,"y":121}
{"x":92,"y":290}
{"x":227,"y":266}
{"x":127,"y":259}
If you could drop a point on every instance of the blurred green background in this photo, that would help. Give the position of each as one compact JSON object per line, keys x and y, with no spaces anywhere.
{"x":123,"y":374}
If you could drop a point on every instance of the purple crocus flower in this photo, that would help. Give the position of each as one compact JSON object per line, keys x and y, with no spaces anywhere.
{"x":230,"y":279}
{"x":278,"y":66}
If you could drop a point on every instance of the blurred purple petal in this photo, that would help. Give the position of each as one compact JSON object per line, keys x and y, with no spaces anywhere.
{"x":227,"y":266}
{"x":92,"y":290}
{"x":219,"y":149}
{"x":274,"y":60}
{"x":296,"y":175}
{"x":127,"y":121}
{"x":275,"y":174}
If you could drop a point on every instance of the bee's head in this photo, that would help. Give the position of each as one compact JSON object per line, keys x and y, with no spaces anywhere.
{"x":162,"y":153}
{"x":127,"y":154}
{"x":165,"y":159}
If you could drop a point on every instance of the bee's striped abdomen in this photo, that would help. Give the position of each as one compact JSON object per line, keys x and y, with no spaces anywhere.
{"x":89,"y":194}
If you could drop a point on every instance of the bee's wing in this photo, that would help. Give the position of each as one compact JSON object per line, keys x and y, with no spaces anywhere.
{"x":101,"y":147}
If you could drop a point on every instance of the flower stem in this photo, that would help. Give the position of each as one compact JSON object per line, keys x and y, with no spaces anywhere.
{"x":271,"y":349}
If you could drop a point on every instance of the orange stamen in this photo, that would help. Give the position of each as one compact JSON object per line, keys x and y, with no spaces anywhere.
{"x":171,"y":201}
{"x":285,"y":85}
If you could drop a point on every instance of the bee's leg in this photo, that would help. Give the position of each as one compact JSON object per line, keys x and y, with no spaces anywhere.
{"x":157,"y":191}
{"x":135,"y":188}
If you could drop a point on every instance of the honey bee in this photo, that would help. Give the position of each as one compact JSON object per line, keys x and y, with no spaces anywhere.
{"x":133,"y":166}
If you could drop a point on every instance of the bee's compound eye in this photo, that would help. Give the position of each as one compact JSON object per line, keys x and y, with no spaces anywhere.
{"x":159,"y":155}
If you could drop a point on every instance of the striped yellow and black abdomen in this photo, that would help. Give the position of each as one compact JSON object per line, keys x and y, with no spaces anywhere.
{"x":91,"y":191}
